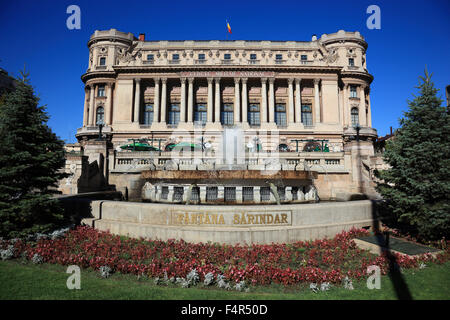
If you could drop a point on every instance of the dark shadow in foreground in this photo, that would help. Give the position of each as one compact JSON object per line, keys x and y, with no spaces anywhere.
{"x":400,"y":286}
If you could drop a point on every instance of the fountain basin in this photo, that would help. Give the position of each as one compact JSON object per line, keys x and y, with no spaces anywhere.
{"x":231,"y":224}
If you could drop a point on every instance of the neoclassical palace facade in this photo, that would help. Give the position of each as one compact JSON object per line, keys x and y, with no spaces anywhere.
{"x":298,"y":100}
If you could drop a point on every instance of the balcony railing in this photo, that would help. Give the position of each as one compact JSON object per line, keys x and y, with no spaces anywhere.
{"x":176,"y":61}
{"x":200,"y":61}
{"x":149,"y":61}
{"x":306,"y":62}
{"x":227,"y":61}
{"x":101,"y":67}
{"x":253,"y":61}
{"x":136,"y":161}
{"x":279,"y":61}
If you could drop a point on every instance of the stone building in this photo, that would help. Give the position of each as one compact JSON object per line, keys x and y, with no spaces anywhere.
{"x":292,"y":104}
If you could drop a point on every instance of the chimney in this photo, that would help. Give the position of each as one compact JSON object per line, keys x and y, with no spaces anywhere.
{"x":391,"y":130}
{"x":142,"y":37}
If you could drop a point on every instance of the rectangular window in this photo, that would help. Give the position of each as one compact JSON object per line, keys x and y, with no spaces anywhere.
{"x":304,"y":57}
{"x":175,"y":56}
{"x":353,"y":93}
{"x":212,"y":193}
{"x":200,"y":114}
{"x":230,"y":193}
{"x":101,"y":90}
{"x":351,"y":62}
{"x":150,"y":57}
{"x":265,"y":193}
{"x":254,"y":115}
{"x":307,"y":115}
{"x":148,"y":114}
{"x":226,"y":116}
{"x":253,"y":56}
{"x":102,"y":61}
{"x":178,"y":193}
{"x":201,"y":56}
{"x":280,"y":115}
{"x":278,"y":56}
{"x":174,"y":114}
{"x":227,"y":56}
{"x":247,"y":193}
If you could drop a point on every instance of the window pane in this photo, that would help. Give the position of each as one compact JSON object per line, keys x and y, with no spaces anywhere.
{"x":102,"y":61}
{"x":304,"y":57}
{"x":253,"y":56}
{"x":279,"y":56}
{"x":201,"y":56}
{"x":307,"y":115}
{"x":227,"y":56}
{"x":175,"y":56}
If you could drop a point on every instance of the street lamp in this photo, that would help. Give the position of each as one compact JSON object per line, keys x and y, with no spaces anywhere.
{"x":100,"y":124}
{"x":357,"y":128}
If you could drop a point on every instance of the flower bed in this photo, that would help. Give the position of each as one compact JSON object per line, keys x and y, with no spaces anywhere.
{"x":319,"y":261}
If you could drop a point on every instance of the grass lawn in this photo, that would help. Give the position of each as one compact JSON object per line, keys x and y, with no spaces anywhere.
{"x":24,"y":280}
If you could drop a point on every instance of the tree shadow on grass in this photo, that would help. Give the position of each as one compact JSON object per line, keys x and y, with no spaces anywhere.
{"x":400,"y":287}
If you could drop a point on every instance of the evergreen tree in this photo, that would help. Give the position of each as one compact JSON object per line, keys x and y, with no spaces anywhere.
{"x":417,"y":186}
{"x":31,"y":156}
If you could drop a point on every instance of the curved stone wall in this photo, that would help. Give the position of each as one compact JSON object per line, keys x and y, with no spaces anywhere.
{"x":231,"y":224}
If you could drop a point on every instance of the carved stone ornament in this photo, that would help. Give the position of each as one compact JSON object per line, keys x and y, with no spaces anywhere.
{"x":191,"y":54}
{"x":165,"y":54}
{"x":270,"y":54}
{"x":289,"y":54}
{"x":158,"y":55}
{"x":263,"y":54}
{"x":210,"y":54}
{"x":244,"y":54}
{"x":217,"y":53}
{"x":296,"y":55}
{"x":184,"y":54}
{"x":236,"y":54}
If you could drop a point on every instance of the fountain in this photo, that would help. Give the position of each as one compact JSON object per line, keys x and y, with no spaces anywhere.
{"x":233,"y":202}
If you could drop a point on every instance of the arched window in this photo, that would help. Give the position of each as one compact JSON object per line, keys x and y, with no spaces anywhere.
{"x":200,"y":115}
{"x":100,"y":115}
{"x":253,"y":115}
{"x":355,"y":117}
{"x":280,"y":115}
{"x":283,"y":147}
{"x":148,"y":114}
{"x":226,"y":116}
{"x":307,"y":115}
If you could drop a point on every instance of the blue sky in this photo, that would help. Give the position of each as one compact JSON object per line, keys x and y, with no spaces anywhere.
{"x":413,"y":34}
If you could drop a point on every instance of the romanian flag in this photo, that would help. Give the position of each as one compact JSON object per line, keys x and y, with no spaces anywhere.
{"x":228,"y":27}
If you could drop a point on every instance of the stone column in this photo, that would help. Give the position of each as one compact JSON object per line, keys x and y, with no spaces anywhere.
{"x":220,"y":193}
{"x":202,"y":194}
{"x":91,"y":106}
{"x":244,"y":100}
{"x":217,"y":102}
{"x":183,"y":100}
{"x":257,"y":194}
{"x":271,"y":101}
{"x":264,"y":100}
{"x":109,"y":100}
{"x":369,"y":111}
{"x":316,"y":100}
{"x":170,"y":194}
{"x":190,"y":99}
{"x":163,"y":100}
{"x":362,"y":106}
{"x":156,"y":101}
{"x":86,"y":106}
{"x":239,"y":194}
{"x":291,"y":100}
{"x":288,"y":193}
{"x":345,"y":105}
{"x":298,"y":101}
{"x":209,"y":110}
{"x":237,"y":106}
{"x":137,"y":100}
